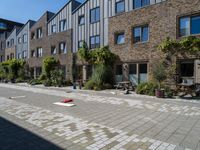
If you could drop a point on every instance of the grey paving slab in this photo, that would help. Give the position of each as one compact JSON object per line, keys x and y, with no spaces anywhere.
{"x":103,"y":122}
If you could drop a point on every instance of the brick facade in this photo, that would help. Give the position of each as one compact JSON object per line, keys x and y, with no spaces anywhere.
{"x":46,"y":43}
{"x":162,"y":20}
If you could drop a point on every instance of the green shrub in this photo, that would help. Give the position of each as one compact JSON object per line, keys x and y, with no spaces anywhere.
{"x":19,"y":80}
{"x":42,"y":77}
{"x":49,"y":64}
{"x":101,"y":78}
{"x":68,"y":82}
{"x":47,"y":82}
{"x":57,"y":77}
{"x":35,"y":82}
{"x":147,"y":88}
{"x":168,"y":92}
{"x":90,"y":85}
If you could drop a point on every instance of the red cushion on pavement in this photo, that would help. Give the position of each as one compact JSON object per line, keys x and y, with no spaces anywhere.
{"x":67,"y":100}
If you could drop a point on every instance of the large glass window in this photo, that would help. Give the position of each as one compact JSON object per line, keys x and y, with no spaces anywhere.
{"x":140,"y":3}
{"x":118,"y":73}
{"x":95,"y":15}
{"x":141,"y":34}
{"x":133,"y":76}
{"x":189,"y":25}
{"x":81,"y":20}
{"x":63,"y":26}
{"x":120,"y":6}
{"x":142,"y":73}
{"x":120,"y":38}
{"x":95,"y":42}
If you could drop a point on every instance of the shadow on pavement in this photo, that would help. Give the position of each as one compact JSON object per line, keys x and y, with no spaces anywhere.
{"x":14,"y":137}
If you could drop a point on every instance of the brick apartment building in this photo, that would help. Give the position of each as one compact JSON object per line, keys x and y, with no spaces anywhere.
{"x":6,"y":26}
{"x":134,"y":36}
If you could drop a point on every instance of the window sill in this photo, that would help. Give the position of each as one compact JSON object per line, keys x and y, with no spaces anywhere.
{"x":94,"y":22}
{"x":81,"y":25}
{"x":119,"y":13}
{"x":140,"y":43}
{"x":120,"y":44}
{"x":189,"y":35}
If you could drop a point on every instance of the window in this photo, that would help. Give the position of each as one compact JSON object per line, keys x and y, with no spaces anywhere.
{"x":24,"y":54}
{"x":94,"y":42}
{"x":120,"y":7}
{"x":63,"y":26}
{"x":53,"y":50}
{"x":19,"y":55}
{"x":33,"y":53}
{"x":184,"y":26}
{"x":95,"y":15}
{"x":62,"y":48}
{"x":141,"y":34}
{"x":12,"y":42}
{"x":80,"y":44}
{"x":187,"y":69}
{"x":81,"y":20}
{"x":142,"y":73}
{"x":12,"y":56}
{"x":118,"y":73}
{"x":120,"y":38}
{"x":3,"y":26}
{"x":32,"y":35}
{"x":8,"y":44}
{"x":2,"y":45}
{"x":39,"y":33}
{"x":53,"y":28}
{"x":189,"y":25}
{"x":1,"y":59}
{"x":39,"y":52}
{"x":19,"y":40}
{"x":25,"y":39}
{"x":140,"y":3}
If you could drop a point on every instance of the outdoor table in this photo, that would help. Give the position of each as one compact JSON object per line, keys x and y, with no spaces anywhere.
{"x":125,"y":85}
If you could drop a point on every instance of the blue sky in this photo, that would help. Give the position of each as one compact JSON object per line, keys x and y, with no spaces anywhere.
{"x":23,"y":10}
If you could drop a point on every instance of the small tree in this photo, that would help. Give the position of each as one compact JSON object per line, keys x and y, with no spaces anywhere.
{"x":103,"y":59}
{"x":49,"y":64}
{"x":173,"y":49}
{"x":159,"y":74}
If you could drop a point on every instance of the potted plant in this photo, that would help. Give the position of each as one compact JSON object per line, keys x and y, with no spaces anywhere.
{"x":159,"y":74}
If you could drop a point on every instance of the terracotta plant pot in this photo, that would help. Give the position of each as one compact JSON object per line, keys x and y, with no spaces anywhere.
{"x":160,"y":93}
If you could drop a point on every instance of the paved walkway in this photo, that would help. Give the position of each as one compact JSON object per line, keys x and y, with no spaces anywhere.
{"x":99,"y":122}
